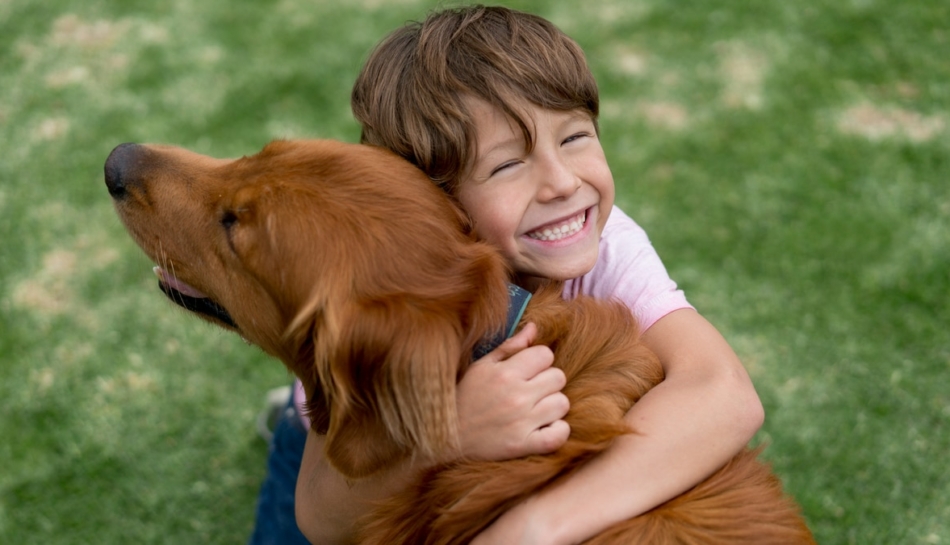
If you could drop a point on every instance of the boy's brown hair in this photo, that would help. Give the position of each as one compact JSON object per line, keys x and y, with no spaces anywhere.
{"x":410,"y":95}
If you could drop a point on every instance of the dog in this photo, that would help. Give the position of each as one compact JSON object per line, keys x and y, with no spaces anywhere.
{"x":350,"y":266}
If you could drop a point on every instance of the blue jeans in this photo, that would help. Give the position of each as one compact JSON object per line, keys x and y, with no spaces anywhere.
{"x":276,"y":523}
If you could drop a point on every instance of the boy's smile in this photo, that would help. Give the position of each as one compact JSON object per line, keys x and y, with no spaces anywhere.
{"x":546,"y":207}
{"x":560,"y":230}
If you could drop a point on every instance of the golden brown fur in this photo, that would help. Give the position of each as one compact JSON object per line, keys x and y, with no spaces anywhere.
{"x":352,"y":268}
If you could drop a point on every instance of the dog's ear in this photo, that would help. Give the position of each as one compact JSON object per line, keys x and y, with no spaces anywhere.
{"x":391,"y":384}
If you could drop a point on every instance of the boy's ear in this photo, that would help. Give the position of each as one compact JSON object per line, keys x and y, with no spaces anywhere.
{"x":392,"y":385}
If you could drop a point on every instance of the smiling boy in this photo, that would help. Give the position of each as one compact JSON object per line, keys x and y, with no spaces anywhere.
{"x":500,"y":109}
{"x":545,"y":209}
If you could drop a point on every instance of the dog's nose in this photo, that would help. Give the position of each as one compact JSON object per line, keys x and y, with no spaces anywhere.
{"x":120,"y":165}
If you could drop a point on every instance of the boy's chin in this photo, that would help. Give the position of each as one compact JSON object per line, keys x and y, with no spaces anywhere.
{"x":562,"y":271}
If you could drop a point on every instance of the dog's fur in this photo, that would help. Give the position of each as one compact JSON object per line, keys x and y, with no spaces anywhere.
{"x":351,"y":267}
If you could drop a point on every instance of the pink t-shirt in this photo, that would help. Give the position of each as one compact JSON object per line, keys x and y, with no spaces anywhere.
{"x":628,"y":269}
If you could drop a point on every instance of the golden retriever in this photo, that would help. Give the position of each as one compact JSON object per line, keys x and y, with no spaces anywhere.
{"x":347,"y":264}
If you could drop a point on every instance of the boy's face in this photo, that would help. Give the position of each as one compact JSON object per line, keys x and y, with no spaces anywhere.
{"x":545,"y":209}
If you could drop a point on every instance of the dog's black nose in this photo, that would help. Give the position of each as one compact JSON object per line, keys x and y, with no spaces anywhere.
{"x":119,"y":168}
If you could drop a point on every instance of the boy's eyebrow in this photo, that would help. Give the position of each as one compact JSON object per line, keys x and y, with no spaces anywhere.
{"x":578,"y":115}
{"x":514,"y":141}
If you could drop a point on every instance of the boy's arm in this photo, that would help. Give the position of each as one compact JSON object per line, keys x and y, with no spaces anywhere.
{"x":327,"y":506}
{"x":688,"y":426}
{"x":509,"y":403}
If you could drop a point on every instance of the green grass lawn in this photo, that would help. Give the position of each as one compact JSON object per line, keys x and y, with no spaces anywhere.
{"x":789,"y":159}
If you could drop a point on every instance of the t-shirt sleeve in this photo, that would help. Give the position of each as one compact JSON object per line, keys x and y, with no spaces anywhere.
{"x":628,"y":269}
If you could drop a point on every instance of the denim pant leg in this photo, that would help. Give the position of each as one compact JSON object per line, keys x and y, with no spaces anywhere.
{"x":276,"y":523}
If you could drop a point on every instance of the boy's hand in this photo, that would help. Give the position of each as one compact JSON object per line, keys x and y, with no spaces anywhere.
{"x":510,"y":402}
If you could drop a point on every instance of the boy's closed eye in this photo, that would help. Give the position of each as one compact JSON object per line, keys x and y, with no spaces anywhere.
{"x":507,"y":165}
{"x":575,"y":137}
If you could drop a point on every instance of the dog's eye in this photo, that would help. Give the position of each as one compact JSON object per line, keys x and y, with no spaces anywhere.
{"x":228,"y":219}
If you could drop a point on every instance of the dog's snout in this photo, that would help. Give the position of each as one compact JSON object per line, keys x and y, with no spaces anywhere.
{"x":120,"y":168}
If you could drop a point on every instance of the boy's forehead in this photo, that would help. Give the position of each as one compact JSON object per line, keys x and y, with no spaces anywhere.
{"x":494,"y":127}
{"x":478,"y":107}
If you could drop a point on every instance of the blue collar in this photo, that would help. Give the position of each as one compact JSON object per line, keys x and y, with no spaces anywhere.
{"x":517,"y":301}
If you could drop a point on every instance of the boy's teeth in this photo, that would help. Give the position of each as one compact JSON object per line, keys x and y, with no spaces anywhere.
{"x":566,"y":229}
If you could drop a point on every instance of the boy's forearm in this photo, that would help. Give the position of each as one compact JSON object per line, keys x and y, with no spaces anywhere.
{"x":682,"y":439}
{"x":327,"y":506}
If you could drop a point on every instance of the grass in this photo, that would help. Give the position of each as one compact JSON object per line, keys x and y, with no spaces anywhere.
{"x":788,"y":159}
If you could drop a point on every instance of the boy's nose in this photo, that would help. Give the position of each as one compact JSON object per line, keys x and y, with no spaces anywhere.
{"x":559,"y":182}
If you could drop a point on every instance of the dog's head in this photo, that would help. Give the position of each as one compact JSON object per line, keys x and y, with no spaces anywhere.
{"x":344,"y":261}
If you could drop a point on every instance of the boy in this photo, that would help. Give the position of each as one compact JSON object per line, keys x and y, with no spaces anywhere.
{"x":500,"y":109}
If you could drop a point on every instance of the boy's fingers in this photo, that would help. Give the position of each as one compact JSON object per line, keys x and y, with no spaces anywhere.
{"x":549,"y":438}
{"x":520,"y":358}
{"x":512,"y":402}
{"x":548,"y":379}
{"x":514,"y":344}
{"x":530,"y":365}
{"x":552,"y":408}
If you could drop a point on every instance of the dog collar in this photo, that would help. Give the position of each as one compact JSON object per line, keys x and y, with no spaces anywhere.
{"x":518,"y":298}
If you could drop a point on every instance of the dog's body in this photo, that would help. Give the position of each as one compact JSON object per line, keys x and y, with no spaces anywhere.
{"x":350,"y":266}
